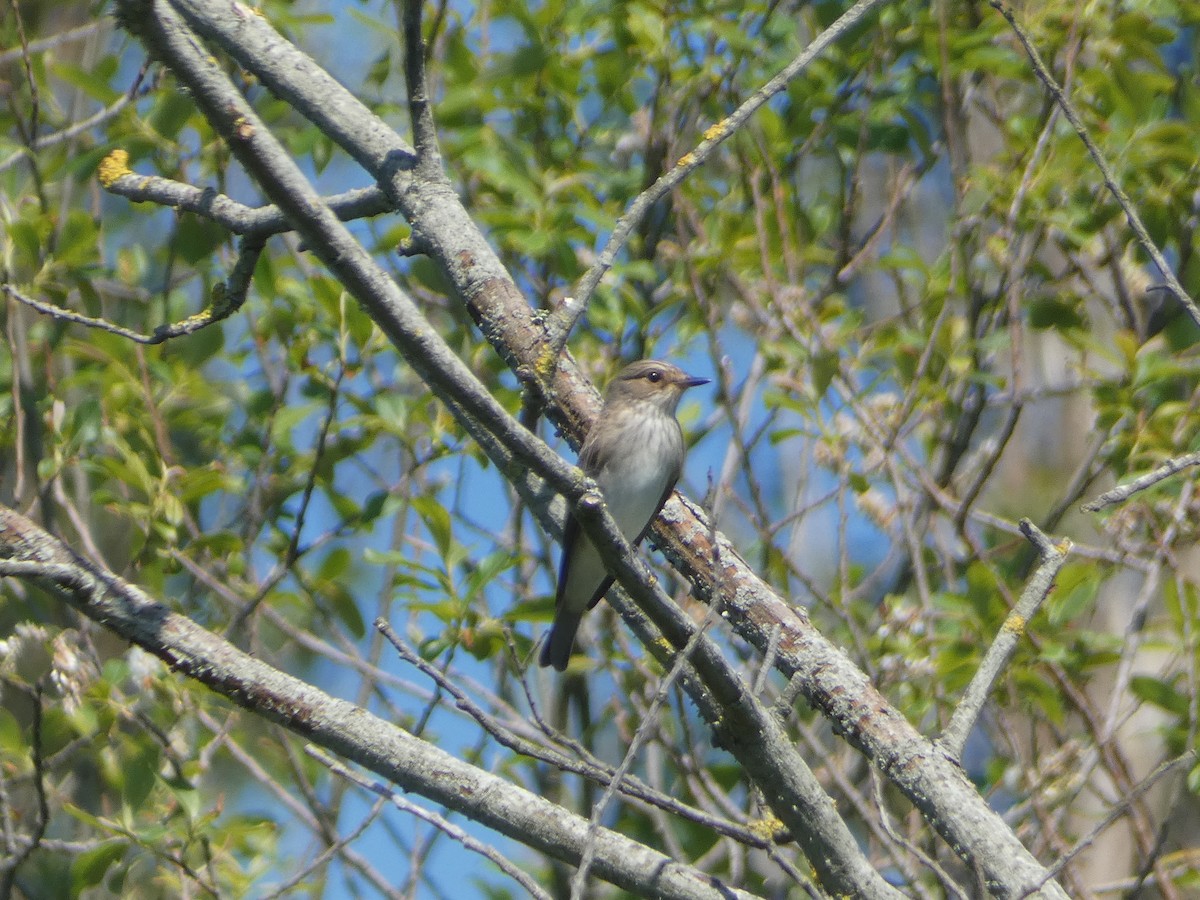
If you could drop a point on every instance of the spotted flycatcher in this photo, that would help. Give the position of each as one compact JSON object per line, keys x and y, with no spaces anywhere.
{"x":635,"y":453}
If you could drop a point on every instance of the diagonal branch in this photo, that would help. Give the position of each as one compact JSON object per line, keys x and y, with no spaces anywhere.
{"x":1123,"y":492}
{"x":741,"y":724}
{"x":227,"y":298}
{"x":799,"y":800}
{"x":954,"y":738}
{"x":439,"y":822}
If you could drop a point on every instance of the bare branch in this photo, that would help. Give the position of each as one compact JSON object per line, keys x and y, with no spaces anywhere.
{"x":648,"y":724}
{"x":420,"y":111}
{"x":954,"y":738}
{"x":1187,"y":758}
{"x":226,"y":300}
{"x":630,"y":786}
{"x":52,"y":42}
{"x":261,"y":222}
{"x":81,"y":127}
{"x":1123,"y":492}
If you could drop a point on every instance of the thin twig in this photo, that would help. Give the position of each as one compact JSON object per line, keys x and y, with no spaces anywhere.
{"x":31,"y":138}
{"x":630,"y":786}
{"x":335,"y":847}
{"x":293,"y":552}
{"x":1119,"y":810}
{"x":72,"y":131}
{"x":1110,"y":180}
{"x":420,"y":111}
{"x":505,"y":865}
{"x":1123,"y":492}
{"x":1134,"y":634}
{"x":8,"y":870}
{"x":53,"y":41}
{"x":564,"y":319}
{"x":951,"y":887}
{"x":1000,"y":652}
{"x":227,"y":298}
{"x":649,"y":722}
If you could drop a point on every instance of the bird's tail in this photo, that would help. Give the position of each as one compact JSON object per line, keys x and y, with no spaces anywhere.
{"x":556,"y":651}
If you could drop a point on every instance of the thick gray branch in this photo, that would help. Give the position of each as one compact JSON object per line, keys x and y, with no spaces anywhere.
{"x":828,"y":679}
{"x":341,"y":727}
{"x":770,"y":759}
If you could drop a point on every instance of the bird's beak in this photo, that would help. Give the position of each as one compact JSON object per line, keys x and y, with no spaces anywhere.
{"x":693,"y":382}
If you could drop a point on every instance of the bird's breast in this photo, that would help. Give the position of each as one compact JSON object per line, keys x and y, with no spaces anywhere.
{"x":637,"y":474}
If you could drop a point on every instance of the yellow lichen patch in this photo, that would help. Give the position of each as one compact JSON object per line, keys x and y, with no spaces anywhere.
{"x":547,"y":362}
{"x":714,"y":131}
{"x":1015,"y":624}
{"x":768,"y":828}
{"x":113,"y":166}
{"x":243,"y":10}
{"x":197,"y":321}
{"x":667,"y":646}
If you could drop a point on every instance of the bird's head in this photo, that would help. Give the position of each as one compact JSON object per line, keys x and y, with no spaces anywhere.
{"x":651,"y":381}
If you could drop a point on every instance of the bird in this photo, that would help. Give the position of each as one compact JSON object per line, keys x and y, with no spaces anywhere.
{"x":634,"y":451}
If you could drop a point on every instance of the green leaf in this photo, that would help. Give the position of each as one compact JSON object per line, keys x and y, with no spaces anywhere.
{"x":90,"y":867}
{"x":92,"y":81}
{"x":1056,"y":312}
{"x":824,"y":368}
{"x":171,"y":111}
{"x":199,"y":238}
{"x":437,"y":519}
{"x":141,"y":773}
{"x":12,"y":740}
{"x":1074,"y":591}
{"x":78,"y":241}
{"x":335,"y":565}
{"x":1160,"y":693}
{"x":484,"y":572}
{"x":345,"y":607}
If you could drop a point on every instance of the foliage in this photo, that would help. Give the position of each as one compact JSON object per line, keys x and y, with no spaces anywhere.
{"x":926,"y":318}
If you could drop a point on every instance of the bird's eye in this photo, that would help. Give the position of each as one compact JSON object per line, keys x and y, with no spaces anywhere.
{"x":654,"y":376}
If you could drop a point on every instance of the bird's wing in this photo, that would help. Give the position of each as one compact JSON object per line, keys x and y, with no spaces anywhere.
{"x":571,"y":531}
{"x":670,"y":486}
{"x":572,"y":534}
